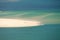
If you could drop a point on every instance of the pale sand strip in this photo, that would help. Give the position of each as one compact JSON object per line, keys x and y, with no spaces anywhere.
{"x":17,"y":23}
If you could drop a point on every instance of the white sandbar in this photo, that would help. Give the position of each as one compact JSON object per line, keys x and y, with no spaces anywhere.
{"x":17,"y":23}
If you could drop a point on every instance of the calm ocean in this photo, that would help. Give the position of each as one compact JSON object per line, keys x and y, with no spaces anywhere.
{"x":45,"y":32}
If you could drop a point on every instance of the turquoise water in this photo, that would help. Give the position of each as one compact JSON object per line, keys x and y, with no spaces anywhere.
{"x":45,"y":11}
{"x":45,"y":16}
{"x":45,"y":32}
{"x":49,"y":31}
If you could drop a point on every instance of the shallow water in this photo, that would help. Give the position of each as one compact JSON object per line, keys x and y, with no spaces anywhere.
{"x":44,"y":16}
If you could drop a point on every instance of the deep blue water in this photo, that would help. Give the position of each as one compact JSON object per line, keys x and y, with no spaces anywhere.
{"x":45,"y":32}
{"x":29,"y":4}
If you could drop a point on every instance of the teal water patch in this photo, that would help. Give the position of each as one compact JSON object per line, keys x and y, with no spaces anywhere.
{"x":45,"y":32}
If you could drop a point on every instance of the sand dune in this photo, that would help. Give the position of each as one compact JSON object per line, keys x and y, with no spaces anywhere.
{"x":17,"y":23}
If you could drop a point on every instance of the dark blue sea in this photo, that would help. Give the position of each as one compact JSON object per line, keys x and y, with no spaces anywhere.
{"x":45,"y":32}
